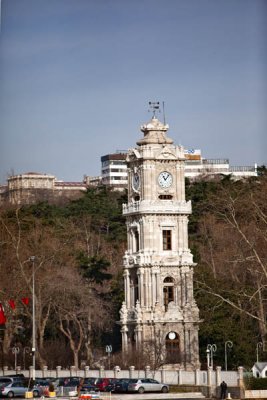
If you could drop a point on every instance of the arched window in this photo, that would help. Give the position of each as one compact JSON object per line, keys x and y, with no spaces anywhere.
{"x":172,"y":345}
{"x":168,"y":291}
{"x":136,"y":240}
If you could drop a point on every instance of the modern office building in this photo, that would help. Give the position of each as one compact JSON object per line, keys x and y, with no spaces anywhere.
{"x":114,"y":168}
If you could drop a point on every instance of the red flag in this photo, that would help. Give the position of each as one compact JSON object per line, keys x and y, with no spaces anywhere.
{"x":25,"y":300}
{"x":12,"y":304}
{"x":2,"y":315}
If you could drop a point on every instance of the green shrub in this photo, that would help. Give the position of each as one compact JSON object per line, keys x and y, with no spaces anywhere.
{"x":253,"y":383}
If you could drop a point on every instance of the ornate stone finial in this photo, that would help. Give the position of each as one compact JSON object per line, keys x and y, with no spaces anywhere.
{"x":155,"y":133}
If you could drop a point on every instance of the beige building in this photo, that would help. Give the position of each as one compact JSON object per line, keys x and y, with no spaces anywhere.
{"x":159,"y":308}
{"x":32,"y":187}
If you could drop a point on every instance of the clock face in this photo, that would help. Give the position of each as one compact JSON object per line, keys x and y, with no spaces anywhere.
{"x":165,"y":179}
{"x":172,"y":335}
{"x":136,"y":181}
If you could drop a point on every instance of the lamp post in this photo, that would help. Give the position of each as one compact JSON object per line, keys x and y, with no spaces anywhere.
{"x":15,"y":351}
{"x":228,"y":344}
{"x":2,"y":346}
{"x":212,"y":349}
{"x":32,"y":259}
{"x":208,"y":358}
{"x":108,"y":350}
{"x":259,"y":345}
{"x":25,"y":350}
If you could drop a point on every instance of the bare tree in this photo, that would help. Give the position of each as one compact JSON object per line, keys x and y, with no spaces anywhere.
{"x":232,"y":244}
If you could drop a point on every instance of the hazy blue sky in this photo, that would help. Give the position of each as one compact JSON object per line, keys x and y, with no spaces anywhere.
{"x":76,"y":77}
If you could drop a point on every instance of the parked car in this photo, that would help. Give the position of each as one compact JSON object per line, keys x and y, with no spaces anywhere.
{"x":110,"y":387}
{"x":70,"y":381}
{"x":121,"y":385}
{"x":18,"y":389}
{"x":88,"y":387}
{"x":147,"y":385}
{"x":91,"y":381}
{"x":102,"y":383}
{"x":9,"y":379}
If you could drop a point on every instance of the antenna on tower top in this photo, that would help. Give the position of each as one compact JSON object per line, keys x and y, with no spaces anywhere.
{"x":163,"y":109}
{"x":154,"y":107}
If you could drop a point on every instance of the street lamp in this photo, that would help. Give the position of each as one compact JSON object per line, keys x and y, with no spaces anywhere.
{"x":108,"y":350}
{"x":25,"y":350}
{"x":212,"y":349}
{"x":32,"y":259}
{"x":15,"y":351}
{"x":259,"y":345}
{"x":208,"y":358}
{"x":228,"y":344}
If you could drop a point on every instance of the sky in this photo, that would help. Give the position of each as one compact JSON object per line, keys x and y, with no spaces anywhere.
{"x":76,"y":77}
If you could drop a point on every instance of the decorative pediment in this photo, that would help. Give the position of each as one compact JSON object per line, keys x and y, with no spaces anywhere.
{"x":166,"y":154}
{"x":133,"y":154}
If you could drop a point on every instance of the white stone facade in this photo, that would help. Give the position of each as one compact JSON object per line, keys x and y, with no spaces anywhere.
{"x":158,"y":265}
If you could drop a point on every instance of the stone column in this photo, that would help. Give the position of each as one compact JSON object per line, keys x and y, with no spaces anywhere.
{"x":197,"y":371}
{"x":218,"y":376}
{"x":149,"y":289}
{"x":58,"y":369}
{"x":131,"y":371}
{"x":101,"y":372}
{"x":147,"y":371}
{"x":127,"y":287}
{"x":180,"y":378}
{"x":240,"y":382}
{"x":116,"y":371}
{"x":86,"y":371}
{"x":153,"y":282}
{"x":72,"y":370}
{"x":140,"y":286}
{"x":209,"y":382}
{"x":44,"y":371}
{"x":31,"y":371}
{"x":158,"y":291}
{"x":183,"y":288}
{"x":163,"y":375}
{"x":124,"y":330}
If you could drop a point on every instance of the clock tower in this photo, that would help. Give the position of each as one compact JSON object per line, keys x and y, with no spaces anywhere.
{"x":159,"y":308}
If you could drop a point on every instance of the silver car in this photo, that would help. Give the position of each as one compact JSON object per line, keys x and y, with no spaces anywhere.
{"x":147,"y":385}
{"x":18,"y":389}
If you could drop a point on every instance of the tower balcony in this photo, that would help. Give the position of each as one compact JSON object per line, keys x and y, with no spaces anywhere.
{"x":156,"y":207}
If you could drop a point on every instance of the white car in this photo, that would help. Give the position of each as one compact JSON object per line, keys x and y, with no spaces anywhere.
{"x":18,"y":389}
{"x":147,"y":385}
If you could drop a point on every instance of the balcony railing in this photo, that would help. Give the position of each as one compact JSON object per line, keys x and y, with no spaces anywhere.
{"x":150,"y":207}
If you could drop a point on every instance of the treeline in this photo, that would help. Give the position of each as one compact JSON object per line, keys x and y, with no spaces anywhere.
{"x":228,"y":237}
{"x":77,"y":271}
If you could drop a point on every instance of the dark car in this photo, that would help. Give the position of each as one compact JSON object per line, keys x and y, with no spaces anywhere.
{"x":88,"y":385}
{"x":70,"y":381}
{"x":90,"y":381}
{"x":110,"y":387}
{"x":121,"y":386}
